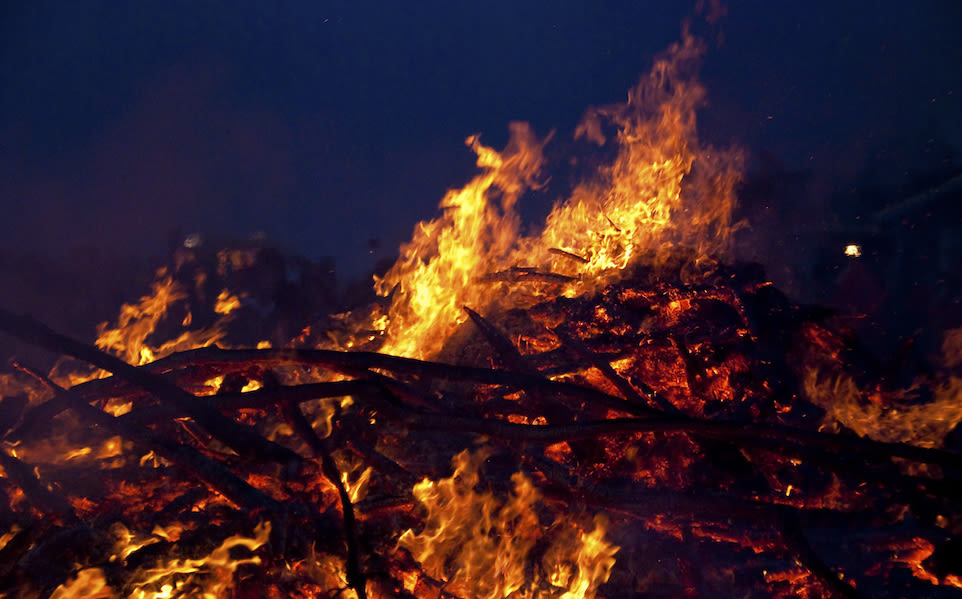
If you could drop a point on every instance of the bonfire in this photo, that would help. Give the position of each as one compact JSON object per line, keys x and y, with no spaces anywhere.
{"x":609,"y":406}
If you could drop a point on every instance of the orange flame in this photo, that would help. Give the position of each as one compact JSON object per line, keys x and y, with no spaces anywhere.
{"x":436,"y":269}
{"x":480,"y":546}
{"x":175,"y":578}
{"x":896,"y":415}
{"x":138,"y":321}
{"x":663,"y":189}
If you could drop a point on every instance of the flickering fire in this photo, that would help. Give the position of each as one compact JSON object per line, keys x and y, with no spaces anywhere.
{"x":176,"y":578}
{"x":137,"y":322}
{"x":480,"y":545}
{"x":663,"y":189}
{"x":438,"y":266}
{"x":274,"y":472}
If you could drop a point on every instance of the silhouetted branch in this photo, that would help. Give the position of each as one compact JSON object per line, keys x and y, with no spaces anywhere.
{"x":239,"y":437}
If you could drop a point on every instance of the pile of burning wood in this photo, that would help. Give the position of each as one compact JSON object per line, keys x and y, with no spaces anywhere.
{"x":654,"y":439}
{"x":608,"y":412}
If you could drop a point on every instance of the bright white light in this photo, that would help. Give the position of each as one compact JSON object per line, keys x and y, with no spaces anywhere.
{"x":853,"y":251}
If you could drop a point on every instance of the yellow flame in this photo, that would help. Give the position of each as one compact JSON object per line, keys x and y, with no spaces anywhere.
{"x":137,"y":322}
{"x":129,"y":543}
{"x":77,"y":453}
{"x":219,"y":565}
{"x":59,"y":448}
{"x":175,"y":578}
{"x":9,"y":535}
{"x":436,"y":269}
{"x":170,"y":533}
{"x":90,"y":583}
{"x":118,"y":407}
{"x":663,"y":189}
{"x":212,"y":385}
{"x":480,"y":545}
{"x":226,"y":302}
{"x":594,"y":559}
{"x":893,"y":416}
{"x":357,"y":489}
{"x":251,"y":386}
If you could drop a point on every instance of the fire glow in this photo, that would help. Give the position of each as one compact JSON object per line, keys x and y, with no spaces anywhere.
{"x":636,"y":434}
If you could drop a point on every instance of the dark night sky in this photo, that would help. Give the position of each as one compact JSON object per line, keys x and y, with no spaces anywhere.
{"x":324,"y":124}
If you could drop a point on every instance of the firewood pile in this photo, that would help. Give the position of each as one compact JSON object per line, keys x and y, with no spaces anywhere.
{"x":653,"y":439}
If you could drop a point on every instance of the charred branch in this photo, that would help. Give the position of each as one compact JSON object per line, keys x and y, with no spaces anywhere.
{"x":569,"y":255}
{"x":508,"y":354}
{"x":794,"y":538}
{"x":210,"y":472}
{"x":518,"y":274}
{"x":355,"y":574}
{"x":649,"y":395}
{"x":771,"y":438}
{"x":259,"y":398}
{"x":359,"y":363}
{"x":46,"y":501}
{"x":237,"y":436}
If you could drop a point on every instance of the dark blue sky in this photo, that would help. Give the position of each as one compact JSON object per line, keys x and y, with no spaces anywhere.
{"x":325,"y":124}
